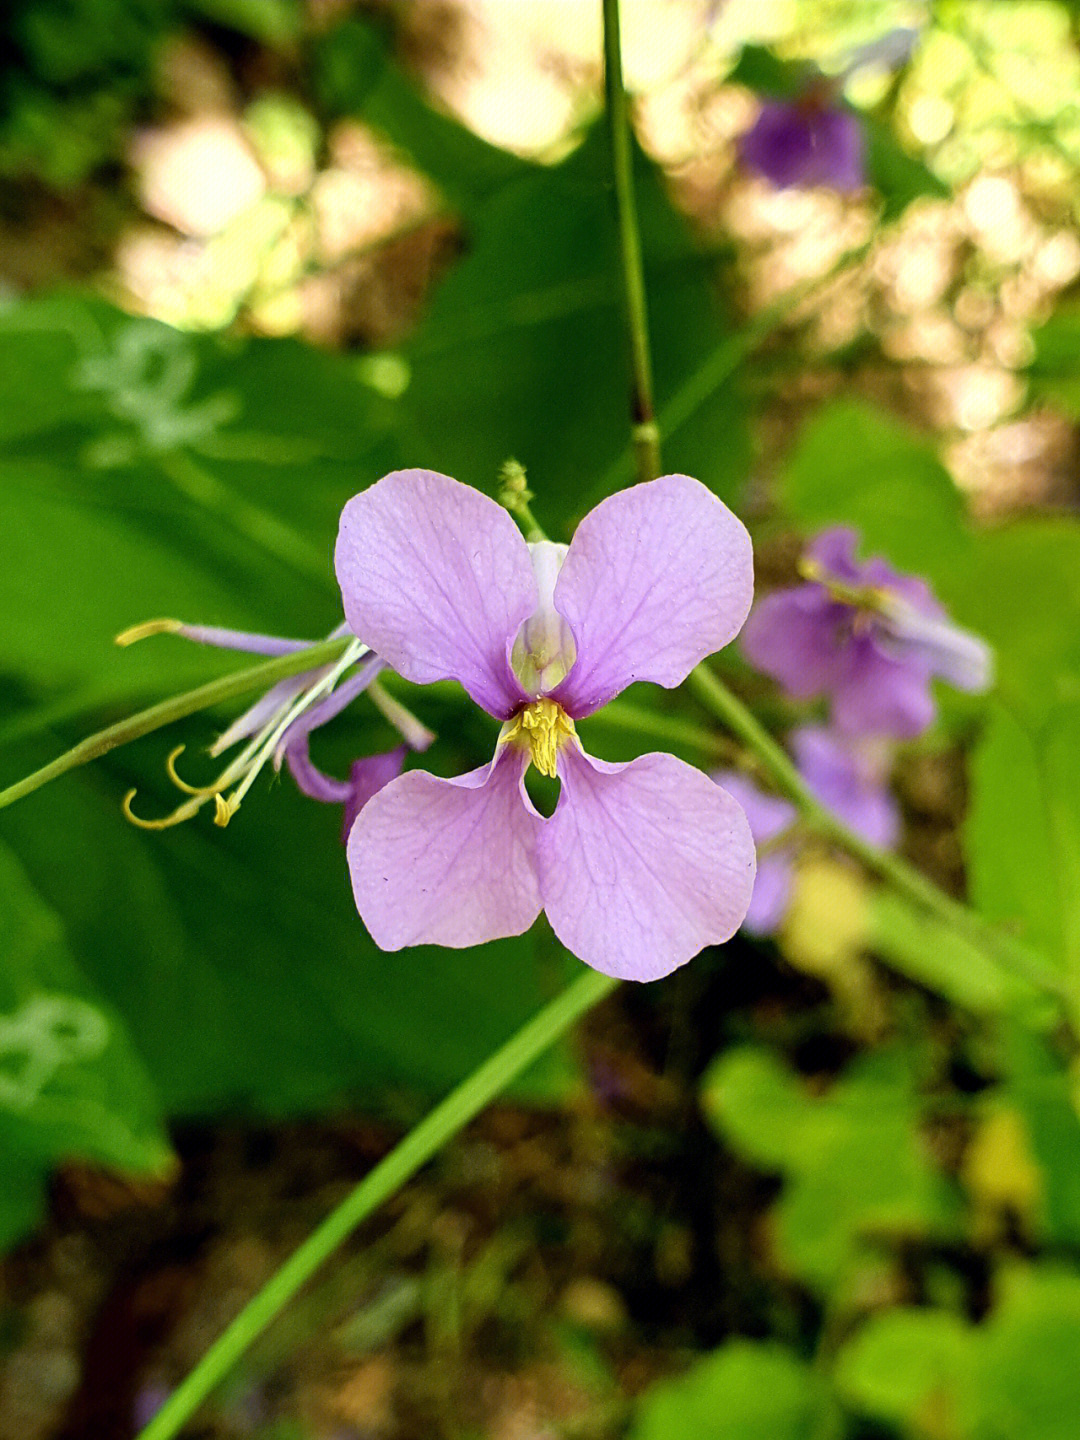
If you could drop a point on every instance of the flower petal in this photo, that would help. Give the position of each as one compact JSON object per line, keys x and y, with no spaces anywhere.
{"x":447,"y":862}
{"x":850,"y":777}
{"x":656,"y":578}
{"x":367,"y":777}
{"x":642,"y":864}
{"x":794,"y":635}
{"x":772,"y":894}
{"x":437,"y":578}
{"x":768,"y":816}
{"x":879,"y":695}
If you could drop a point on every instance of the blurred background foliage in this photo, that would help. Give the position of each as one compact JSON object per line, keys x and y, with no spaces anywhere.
{"x":254,"y":254}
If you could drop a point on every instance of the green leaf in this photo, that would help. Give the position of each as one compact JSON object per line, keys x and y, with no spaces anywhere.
{"x":1044,"y":1093}
{"x":71,"y":1085}
{"x":523,"y":351}
{"x":866,"y":1178}
{"x":741,"y":1392}
{"x":1054,"y":371}
{"x":856,"y":1168}
{"x":1019,"y":587}
{"x":855,"y":465}
{"x":1027,"y":1383}
{"x":751,"y":1098}
{"x":904,"y":1367}
{"x":932,"y":954}
{"x":237,"y":958}
{"x":764,"y":73}
{"x":1023,"y":830}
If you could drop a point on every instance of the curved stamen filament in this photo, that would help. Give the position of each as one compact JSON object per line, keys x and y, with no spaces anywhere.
{"x":251,"y":760}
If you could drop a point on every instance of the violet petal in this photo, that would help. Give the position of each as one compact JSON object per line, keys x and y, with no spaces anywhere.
{"x":447,"y":862}
{"x":643,"y":864}
{"x":437,"y":578}
{"x":657,"y":577}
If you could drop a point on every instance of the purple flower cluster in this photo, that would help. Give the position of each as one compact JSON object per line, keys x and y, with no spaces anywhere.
{"x":870,"y":640}
{"x":815,"y":139}
{"x":865,"y":636}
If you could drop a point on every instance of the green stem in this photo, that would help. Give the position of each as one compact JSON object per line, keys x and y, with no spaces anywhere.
{"x":418,"y":1146}
{"x":1009,"y":954}
{"x":644,"y":430}
{"x":215,"y":692}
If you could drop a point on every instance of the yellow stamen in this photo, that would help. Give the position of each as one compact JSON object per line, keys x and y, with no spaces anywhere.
{"x":224,"y":810}
{"x":861,"y":597}
{"x":542,"y":728}
{"x":148,"y":627}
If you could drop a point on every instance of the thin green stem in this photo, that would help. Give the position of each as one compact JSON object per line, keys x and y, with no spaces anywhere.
{"x":418,"y":1146}
{"x":644,"y":430}
{"x":204,"y":697}
{"x":1008,"y":953}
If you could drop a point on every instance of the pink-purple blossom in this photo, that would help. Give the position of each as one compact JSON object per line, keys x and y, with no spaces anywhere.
{"x":849,"y":776}
{"x":866,"y":636}
{"x":641,"y":864}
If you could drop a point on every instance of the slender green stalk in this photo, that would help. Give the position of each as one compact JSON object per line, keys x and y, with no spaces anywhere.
{"x":644,"y":430}
{"x":418,"y":1146}
{"x":1008,"y":953}
{"x":215,"y":692}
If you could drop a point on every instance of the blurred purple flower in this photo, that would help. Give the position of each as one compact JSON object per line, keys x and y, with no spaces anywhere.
{"x":641,"y":864}
{"x":848,"y":776}
{"x":866,"y":636}
{"x":808,"y":141}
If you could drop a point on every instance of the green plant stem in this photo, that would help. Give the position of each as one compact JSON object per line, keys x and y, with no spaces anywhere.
{"x":215,"y":692}
{"x":1008,"y":953}
{"x":418,"y":1146}
{"x":644,"y":430}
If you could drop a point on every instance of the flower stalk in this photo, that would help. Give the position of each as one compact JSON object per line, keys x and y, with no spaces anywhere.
{"x":178,"y":707}
{"x":418,"y":1146}
{"x":1009,"y":954}
{"x":644,"y":430}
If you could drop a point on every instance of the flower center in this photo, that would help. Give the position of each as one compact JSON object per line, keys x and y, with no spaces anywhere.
{"x":870,"y":599}
{"x":542,"y":728}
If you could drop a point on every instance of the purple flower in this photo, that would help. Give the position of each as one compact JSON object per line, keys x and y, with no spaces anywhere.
{"x":848,"y":776}
{"x":278,"y":725}
{"x":805,"y":142}
{"x":641,"y":864}
{"x":869,"y":638}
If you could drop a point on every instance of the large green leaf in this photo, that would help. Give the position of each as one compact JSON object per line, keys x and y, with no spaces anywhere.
{"x":71,"y":1084}
{"x":524,"y":350}
{"x":855,"y":1168}
{"x":1023,"y":830}
{"x":204,"y":478}
{"x":1027,"y":1382}
{"x":904,"y":1367}
{"x":741,"y":1392}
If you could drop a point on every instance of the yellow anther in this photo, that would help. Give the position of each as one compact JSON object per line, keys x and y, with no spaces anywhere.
{"x":148,"y":627}
{"x":861,"y":597}
{"x":543,"y":728}
{"x":224,"y":810}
